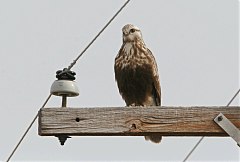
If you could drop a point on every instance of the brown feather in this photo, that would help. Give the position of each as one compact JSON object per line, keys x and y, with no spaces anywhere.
{"x":138,"y":81}
{"x":136,"y":73}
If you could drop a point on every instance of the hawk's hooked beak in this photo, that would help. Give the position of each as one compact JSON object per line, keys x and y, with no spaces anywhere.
{"x":125,"y":33}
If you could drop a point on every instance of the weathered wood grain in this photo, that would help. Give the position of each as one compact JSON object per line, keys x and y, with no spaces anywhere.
{"x":137,"y":121}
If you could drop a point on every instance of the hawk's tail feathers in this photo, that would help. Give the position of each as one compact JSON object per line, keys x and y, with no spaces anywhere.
{"x":154,"y":138}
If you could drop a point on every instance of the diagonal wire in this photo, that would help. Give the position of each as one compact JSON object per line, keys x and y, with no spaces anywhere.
{"x":100,"y":32}
{"x":200,"y":140}
{"x":29,"y":127}
{"x":233,"y":97}
{"x":69,"y":68}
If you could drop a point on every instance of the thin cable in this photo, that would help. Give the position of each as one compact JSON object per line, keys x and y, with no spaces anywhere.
{"x":29,"y":127}
{"x":69,"y":68}
{"x":189,"y":154}
{"x":93,"y":40}
{"x":233,"y":97}
{"x":196,"y":145}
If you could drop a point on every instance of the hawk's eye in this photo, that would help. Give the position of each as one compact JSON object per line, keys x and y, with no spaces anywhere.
{"x":132,"y":30}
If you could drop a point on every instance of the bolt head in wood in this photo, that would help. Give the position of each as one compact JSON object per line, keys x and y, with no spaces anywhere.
{"x":220,"y":118}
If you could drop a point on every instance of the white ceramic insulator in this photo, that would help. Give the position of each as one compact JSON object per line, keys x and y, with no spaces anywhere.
{"x":64,"y":87}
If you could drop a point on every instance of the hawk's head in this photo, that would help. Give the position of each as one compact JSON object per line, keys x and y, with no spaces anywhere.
{"x":131,"y":33}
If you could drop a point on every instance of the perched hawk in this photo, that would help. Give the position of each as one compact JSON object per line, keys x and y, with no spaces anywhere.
{"x":136,"y":73}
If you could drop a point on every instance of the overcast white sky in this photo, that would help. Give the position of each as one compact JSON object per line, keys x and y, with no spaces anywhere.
{"x":195,"y":43}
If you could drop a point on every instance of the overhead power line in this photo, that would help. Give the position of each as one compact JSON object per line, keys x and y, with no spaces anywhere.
{"x":201,"y":139}
{"x":27,"y":130}
{"x":69,"y":68}
{"x":99,"y":33}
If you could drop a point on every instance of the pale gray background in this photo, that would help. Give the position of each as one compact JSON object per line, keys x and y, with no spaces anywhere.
{"x":195,"y":43}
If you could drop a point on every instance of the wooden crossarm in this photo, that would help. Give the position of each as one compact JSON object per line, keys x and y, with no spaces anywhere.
{"x":135,"y":121}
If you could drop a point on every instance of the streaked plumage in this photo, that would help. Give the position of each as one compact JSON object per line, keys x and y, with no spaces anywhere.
{"x":136,"y":72}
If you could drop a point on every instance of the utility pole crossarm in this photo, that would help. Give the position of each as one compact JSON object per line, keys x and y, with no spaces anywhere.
{"x":135,"y":121}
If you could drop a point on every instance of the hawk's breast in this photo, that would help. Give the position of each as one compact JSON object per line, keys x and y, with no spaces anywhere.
{"x":133,"y":73}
